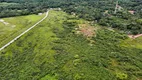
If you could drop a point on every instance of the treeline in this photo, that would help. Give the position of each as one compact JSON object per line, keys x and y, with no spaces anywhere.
{"x":99,"y":11}
{"x":17,"y":9}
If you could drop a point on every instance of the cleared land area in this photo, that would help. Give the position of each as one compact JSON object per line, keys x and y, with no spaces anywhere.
{"x":13,"y":26}
{"x":17,"y":37}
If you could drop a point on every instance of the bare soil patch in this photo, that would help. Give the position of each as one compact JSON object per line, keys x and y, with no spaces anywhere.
{"x":134,"y":36}
{"x":86,"y":30}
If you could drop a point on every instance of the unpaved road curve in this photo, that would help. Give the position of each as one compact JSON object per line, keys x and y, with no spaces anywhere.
{"x":24,"y":32}
{"x":134,"y":36}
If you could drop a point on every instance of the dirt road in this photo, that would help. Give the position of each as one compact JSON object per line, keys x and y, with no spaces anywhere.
{"x":3,"y":47}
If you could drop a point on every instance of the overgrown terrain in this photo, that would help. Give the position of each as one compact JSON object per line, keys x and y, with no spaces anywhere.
{"x":79,"y":40}
{"x":135,"y":43}
{"x":58,"y":50}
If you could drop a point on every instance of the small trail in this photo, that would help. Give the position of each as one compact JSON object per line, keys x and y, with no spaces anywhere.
{"x":3,"y":47}
{"x":134,"y":36}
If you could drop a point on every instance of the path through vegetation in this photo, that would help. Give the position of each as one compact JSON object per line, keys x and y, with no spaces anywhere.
{"x":24,"y":32}
{"x":134,"y":36}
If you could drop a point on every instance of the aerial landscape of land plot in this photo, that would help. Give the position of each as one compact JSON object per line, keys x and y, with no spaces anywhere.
{"x":71,"y":40}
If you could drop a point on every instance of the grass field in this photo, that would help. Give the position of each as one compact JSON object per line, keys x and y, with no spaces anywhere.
{"x":13,"y":26}
{"x":4,"y":4}
{"x":133,"y":43}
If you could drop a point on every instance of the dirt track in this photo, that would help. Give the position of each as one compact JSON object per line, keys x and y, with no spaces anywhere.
{"x":3,"y":47}
{"x":134,"y":36}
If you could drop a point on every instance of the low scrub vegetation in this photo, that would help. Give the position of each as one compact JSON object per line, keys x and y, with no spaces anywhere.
{"x":54,"y":51}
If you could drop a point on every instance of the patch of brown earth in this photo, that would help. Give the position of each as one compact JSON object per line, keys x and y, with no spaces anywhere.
{"x":86,"y":30}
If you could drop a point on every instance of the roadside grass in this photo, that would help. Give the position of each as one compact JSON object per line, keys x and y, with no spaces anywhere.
{"x":34,"y":46}
{"x":133,"y":43}
{"x":16,"y":26}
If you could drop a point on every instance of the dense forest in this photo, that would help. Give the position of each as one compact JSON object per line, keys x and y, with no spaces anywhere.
{"x":99,"y":11}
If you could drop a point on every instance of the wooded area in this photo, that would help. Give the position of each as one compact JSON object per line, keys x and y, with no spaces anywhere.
{"x":100,"y":11}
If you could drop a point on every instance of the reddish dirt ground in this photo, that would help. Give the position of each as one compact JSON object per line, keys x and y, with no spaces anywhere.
{"x":87,"y":30}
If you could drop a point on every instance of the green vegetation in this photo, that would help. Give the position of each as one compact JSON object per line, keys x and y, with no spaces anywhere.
{"x":88,"y":42}
{"x":4,"y":4}
{"x":98,"y":11}
{"x":134,"y":43}
{"x":54,"y":51}
{"x":13,"y":26}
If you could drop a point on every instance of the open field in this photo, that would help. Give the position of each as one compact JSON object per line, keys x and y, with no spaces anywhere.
{"x":13,"y":26}
{"x":53,"y":51}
